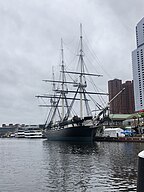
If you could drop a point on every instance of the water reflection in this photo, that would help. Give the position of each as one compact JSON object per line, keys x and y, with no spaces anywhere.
{"x":71,"y":147}
{"x":70,"y":165}
{"x":91,"y":166}
{"x":42,"y":166}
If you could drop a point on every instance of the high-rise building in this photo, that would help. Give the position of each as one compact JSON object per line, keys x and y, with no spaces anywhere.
{"x":124,"y":102}
{"x":114,"y":86}
{"x":138,"y":67}
{"x":127,"y":105}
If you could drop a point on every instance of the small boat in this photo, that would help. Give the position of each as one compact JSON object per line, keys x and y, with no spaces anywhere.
{"x":70,"y":117}
{"x":12,"y":135}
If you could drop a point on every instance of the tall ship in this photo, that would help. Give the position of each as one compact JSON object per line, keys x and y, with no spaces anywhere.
{"x":70,"y":117}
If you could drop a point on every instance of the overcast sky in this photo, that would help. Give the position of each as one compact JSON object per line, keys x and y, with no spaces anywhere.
{"x":30,"y":33}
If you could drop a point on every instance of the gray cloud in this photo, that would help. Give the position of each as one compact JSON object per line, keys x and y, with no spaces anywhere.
{"x":30,"y":33}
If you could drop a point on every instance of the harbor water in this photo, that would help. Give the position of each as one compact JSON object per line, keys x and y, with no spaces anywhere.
{"x":42,"y":166}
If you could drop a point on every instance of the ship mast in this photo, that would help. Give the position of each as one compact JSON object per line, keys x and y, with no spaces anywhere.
{"x":82,"y":71}
{"x":54,"y":86}
{"x":63,"y":79}
{"x":81,"y":86}
{"x":66,"y":107}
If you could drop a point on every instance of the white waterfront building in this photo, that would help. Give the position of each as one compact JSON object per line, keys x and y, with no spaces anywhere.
{"x":138,"y":67}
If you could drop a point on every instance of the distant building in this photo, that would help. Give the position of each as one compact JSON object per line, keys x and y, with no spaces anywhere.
{"x":123,"y":103}
{"x":114,"y":86}
{"x":138,"y":67}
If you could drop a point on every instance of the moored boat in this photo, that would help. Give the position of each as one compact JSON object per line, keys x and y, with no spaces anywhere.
{"x":70,"y":117}
{"x":33,"y":132}
{"x":20,"y":133}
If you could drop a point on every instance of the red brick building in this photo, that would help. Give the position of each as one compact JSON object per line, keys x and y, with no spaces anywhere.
{"x":123,"y":103}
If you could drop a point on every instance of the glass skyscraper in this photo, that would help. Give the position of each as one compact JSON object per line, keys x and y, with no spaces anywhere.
{"x":138,"y":67}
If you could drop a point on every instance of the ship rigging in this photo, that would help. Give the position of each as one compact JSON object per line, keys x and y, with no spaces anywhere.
{"x":61,"y":124}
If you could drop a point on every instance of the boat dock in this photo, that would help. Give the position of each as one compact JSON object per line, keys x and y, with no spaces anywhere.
{"x":120,"y":139}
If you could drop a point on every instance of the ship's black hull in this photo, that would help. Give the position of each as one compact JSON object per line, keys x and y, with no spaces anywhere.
{"x":78,"y":133}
